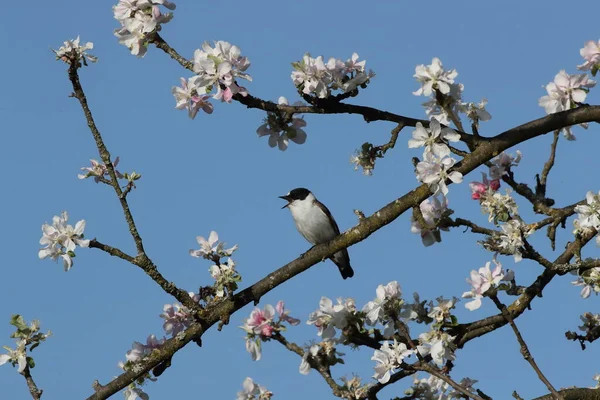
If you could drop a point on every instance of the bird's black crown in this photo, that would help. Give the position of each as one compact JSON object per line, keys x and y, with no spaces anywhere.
{"x":298,"y":194}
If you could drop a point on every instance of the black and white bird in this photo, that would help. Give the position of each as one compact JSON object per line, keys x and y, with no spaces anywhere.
{"x":315,"y":222}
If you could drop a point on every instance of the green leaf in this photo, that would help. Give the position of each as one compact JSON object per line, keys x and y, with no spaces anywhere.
{"x":18,"y":321}
{"x":30,"y":362}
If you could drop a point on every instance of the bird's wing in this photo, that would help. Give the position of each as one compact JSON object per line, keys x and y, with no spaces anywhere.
{"x":328,"y":213}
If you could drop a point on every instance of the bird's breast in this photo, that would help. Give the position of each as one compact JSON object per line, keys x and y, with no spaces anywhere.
{"x":313,"y":224}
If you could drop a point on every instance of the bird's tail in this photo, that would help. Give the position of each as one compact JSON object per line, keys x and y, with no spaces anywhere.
{"x":342,"y":260}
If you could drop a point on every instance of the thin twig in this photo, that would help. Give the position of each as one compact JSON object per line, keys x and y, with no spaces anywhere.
{"x":35,"y":392}
{"x":323,"y":370}
{"x":524,"y":349}
{"x":104,"y":154}
{"x":141,"y":260}
{"x":540,"y":189}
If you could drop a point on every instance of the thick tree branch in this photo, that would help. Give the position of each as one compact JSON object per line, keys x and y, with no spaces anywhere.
{"x":574,"y":394}
{"x":485,"y":150}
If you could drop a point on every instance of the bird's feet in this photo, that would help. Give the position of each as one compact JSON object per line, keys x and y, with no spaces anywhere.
{"x":302,"y":255}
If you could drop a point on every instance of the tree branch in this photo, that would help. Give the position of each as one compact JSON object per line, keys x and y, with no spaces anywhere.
{"x":524,"y":348}
{"x":35,"y":392}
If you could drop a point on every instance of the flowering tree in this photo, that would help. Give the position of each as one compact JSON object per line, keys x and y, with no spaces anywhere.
{"x":452,"y":148}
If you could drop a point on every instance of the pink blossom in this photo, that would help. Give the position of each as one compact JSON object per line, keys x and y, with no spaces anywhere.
{"x":478,"y":189}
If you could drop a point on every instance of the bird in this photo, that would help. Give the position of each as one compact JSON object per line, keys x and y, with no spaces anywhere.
{"x":314,"y":221}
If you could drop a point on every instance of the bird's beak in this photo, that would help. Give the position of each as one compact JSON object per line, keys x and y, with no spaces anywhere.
{"x":287,"y":199}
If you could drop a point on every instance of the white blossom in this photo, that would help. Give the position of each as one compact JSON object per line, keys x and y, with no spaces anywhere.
{"x":212,"y":247}
{"x":434,"y":171}
{"x":438,"y":344}
{"x":72,"y":51}
{"x":511,"y":238}
{"x":138,"y":18}
{"x":61,"y":239}
{"x":388,"y":359}
{"x":253,"y":391}
{"x":433,"y":138}
{"x":432,"y":210}
{"x":591,"y":54}
{"x":330,"y":316}
{"x":482,"y":280}
{"x":374,"y":310}
{"x":434,"y":77}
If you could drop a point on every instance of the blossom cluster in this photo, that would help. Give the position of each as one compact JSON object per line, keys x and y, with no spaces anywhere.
{"x":138,"y":19}
{"x":99,"y":170}
{"x":433,"y":210}
{"x":140,"y":350}
{"x":28,"y":337}
{"x":330,"y":317}
{"x":434,"y":169}
{"x":445,"y":101}
{"x":364,"y":158}
{"x":178,"y":317}
{"x":564,"y":93}
{"x":591,"y":54}
{"x":73,"y":52}
{"x":435,"y":388}
{"x":388,"y":359}
{"x":325,"y":351}
{"x":314,"y":76}
{"x":253,"y":391}
{"x":261,"y":326}
{"x":588,"y":215}
{"x":216,"y":71}
{"x":511,"y":240}
{"x":483,"y":280}
{"x":500,"y":208}
{"x":589,"y":280}
{"x":224,"y":273}
{"x":61,"y":239}
{"x":282,"y":127}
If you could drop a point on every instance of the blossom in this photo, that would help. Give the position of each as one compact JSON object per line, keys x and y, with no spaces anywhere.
{"x":477,"y":112}
{"x":139,"y":350}
{"x":388,"y":358}
{"x":441,"y":312}
{"x":434,"y":77}
{"x":588,"y":215}
{"x":591,"y":54}
{"x":253,"y":391}
{"x":374,"y":310}
{"x":499,"y":207}
{"x":261,"y":325}
{"x":452,"y":103}
{"x":138,"y":18}
{"x":433,"y":138}
{"x":566,"y":92}
{"x":432,"y":209}
{"x":99,"y":170}
{"x":283,"y":127}
{"x":218,"y":67}
{"x":312,"y":351}
{"x":511,"y":238}
{"x":212,"y":247}
{"x":315,"y":76}
{"x":479,"y":189}
{"x":135,"y":393}
{"x":434,"y":171}
{"x":225,"y":276}
{"x":482,"y":280}
{"x":71,"y":52}
{"x":17,"y":356}
{"x":502,"y":164}
{"x":61,"y":239}
{"x":440,"y":345}
{"x":330,"y":316}
{"x":177,"y":317}
{"x":190,"y":98}
{"x":590,"y":282}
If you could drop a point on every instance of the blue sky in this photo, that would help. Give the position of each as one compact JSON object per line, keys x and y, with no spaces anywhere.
{"x":214,"y":173}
